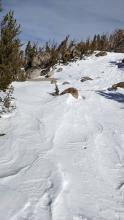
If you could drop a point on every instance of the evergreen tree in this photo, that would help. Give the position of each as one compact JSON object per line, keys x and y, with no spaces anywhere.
{"x":63,"y":49}
{"x":1,"y":6}
{"x":10,"y":59}
{"x":30,"y":53}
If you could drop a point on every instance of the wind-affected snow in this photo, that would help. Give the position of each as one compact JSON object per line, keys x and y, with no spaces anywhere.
{"x":63,"y":158}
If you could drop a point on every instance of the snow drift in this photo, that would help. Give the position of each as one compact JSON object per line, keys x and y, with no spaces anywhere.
{"x":63,"y":158}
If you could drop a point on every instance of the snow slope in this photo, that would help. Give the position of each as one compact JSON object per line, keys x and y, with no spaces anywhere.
{"x":63,"y":158}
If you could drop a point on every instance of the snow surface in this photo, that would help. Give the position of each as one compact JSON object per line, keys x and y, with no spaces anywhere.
{"x":63,"y":158}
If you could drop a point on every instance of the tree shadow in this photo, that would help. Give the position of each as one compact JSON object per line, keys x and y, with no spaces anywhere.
{"x":118,"y":97}
{"x":118,"y":64}
{"x":113,"y":62}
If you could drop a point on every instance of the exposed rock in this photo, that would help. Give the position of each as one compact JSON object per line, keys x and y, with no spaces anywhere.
{"x":65,"y":83}
{"x":73,"y":91}
{"x":50,"y":73}
{"x":44,"y":72}
{"x":85,"y":78}
{"x":59,"y":70}
{"x":33,"y":73}
{"x":101,"y":53}
{"x":2,"y":134}
{"x":118,"y":85}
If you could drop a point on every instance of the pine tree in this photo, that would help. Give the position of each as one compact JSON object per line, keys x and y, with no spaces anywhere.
{"x":30,"y":53}
{"x":10,"y":59}
{"x":1,"y":6}
{"x":63,"y":50}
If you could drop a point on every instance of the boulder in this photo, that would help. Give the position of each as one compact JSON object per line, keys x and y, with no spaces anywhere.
{"x":73,"y":91}
{"x":118,"y":85}
{"x":85,"y":78}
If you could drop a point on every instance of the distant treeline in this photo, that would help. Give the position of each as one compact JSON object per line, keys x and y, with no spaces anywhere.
{"x":15,"y":63}
{"x":69,"y":50}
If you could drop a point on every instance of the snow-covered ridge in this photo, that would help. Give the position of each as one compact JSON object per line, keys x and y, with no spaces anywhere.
{"x":63,"y":158}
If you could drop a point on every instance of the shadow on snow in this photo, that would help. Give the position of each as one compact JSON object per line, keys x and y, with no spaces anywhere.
{"x":118,"y":97}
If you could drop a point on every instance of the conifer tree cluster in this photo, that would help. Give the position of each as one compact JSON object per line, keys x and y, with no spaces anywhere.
{"x":10,"y":58}
{"x":69,"y":50}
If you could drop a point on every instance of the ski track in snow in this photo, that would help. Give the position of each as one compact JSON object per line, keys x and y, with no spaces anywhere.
{"x":62,"y":158}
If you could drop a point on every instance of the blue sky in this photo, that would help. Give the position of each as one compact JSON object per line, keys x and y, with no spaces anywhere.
{"x":43,"y":20}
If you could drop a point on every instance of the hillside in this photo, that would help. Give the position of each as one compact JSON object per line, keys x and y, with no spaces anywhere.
{"x":63,"y":158}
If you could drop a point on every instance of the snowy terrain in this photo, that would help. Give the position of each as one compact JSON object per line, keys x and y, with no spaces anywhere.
{"x":63,"y":158}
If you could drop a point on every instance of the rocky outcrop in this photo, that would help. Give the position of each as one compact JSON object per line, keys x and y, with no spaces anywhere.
{"x":33,"y":73}
{"x":101,"y":53}
{"x":50,"y":73}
